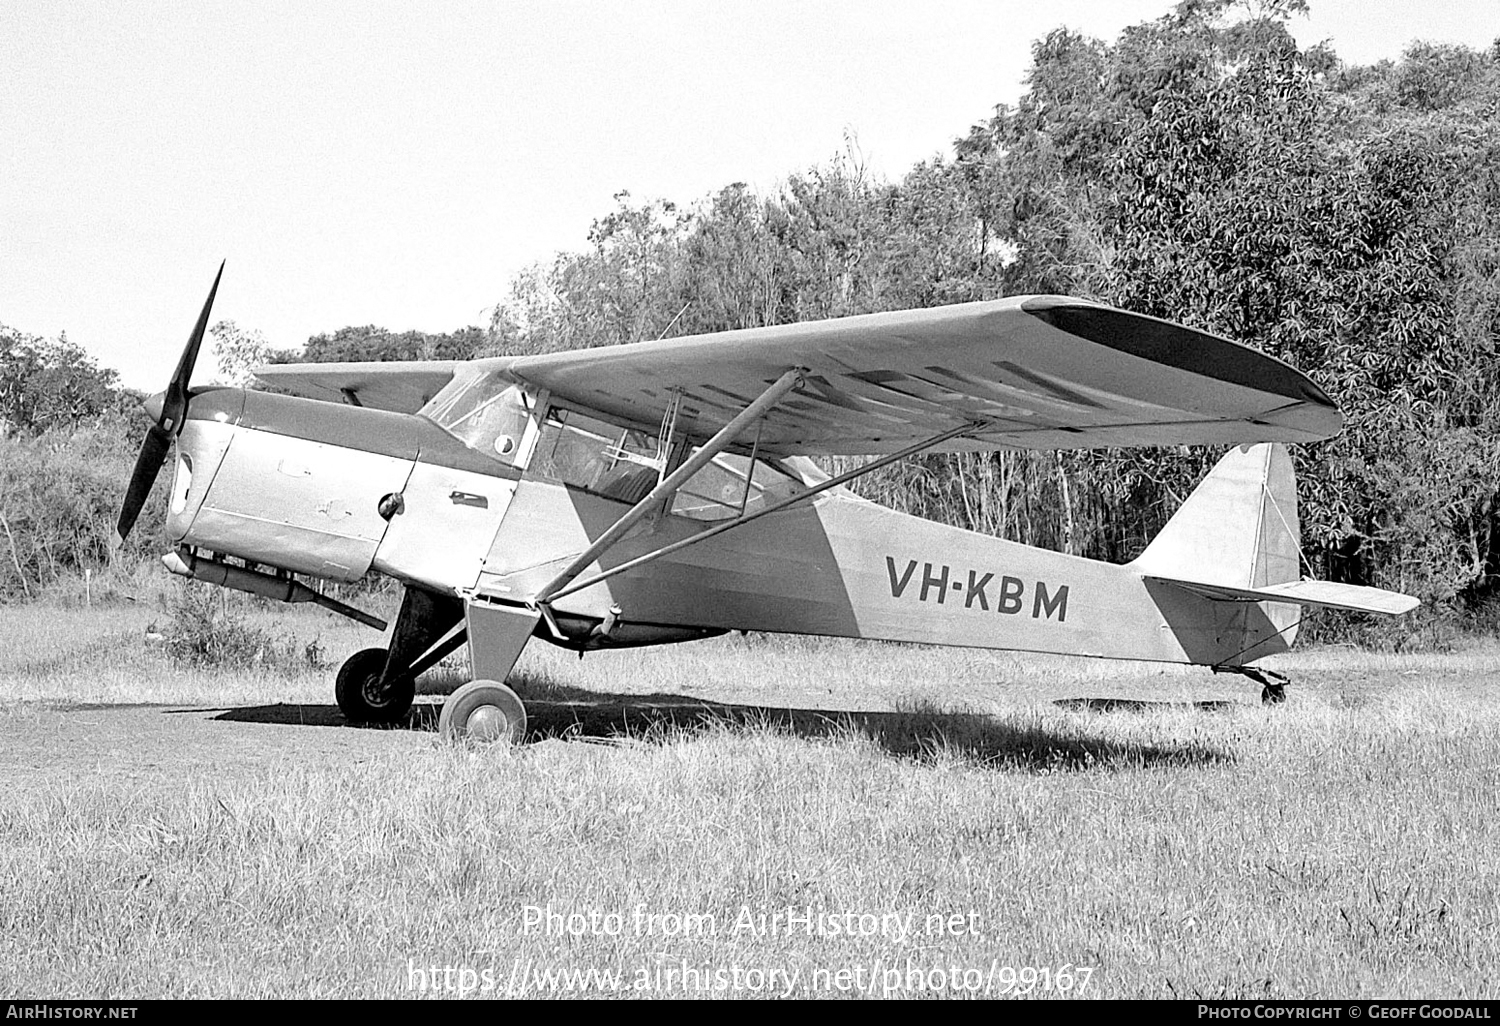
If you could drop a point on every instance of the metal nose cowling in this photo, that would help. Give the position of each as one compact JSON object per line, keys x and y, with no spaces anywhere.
{"x":168,"y":409}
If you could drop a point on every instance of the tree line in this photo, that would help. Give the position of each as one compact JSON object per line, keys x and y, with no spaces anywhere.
{"x":1202,"y":167}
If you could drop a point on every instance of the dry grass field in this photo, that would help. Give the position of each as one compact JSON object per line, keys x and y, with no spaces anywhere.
{"x":937,"y":822}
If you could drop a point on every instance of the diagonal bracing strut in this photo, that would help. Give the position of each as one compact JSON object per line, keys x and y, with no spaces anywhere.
{"x":817,"y":489}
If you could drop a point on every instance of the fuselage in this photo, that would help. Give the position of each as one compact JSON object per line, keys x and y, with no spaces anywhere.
{"x":494,"y":504}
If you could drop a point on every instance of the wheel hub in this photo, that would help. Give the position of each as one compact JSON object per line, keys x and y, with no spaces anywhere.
{"x":487,"y":723}
{"x":374,"y":694}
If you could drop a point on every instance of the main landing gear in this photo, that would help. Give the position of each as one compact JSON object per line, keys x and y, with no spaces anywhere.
{"x":483,"y":710}
{"x":378,"y":686}
{"x":366,"y":696}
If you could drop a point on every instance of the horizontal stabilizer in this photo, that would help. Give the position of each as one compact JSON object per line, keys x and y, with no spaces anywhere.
{"x":1326,"y":594}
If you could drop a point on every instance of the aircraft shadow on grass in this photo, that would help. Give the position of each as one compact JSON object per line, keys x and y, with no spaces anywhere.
{"x":923,"y":735}
{"x":1116,"y":705}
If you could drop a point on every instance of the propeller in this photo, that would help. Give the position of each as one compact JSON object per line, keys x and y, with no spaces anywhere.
{"x":168,"y":410}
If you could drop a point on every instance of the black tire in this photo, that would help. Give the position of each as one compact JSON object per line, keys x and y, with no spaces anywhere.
{"x":359,"y":693}
{"x":483,"y":710}
{"x":1273,"y":694}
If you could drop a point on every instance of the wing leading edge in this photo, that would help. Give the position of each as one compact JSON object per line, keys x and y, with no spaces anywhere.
{"x":1039,"y":372}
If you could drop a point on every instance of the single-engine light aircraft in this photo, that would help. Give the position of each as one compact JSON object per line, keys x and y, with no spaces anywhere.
{"x":663,"y":491}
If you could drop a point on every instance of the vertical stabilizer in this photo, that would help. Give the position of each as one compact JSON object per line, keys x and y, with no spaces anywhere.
{"x":1237,"y":529}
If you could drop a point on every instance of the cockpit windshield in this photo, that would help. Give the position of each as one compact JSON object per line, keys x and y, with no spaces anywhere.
{"x":484,"y":411}
{"x":490,"y":414}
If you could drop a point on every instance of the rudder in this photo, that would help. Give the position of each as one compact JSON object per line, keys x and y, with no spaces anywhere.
{"x":1237,"y":529}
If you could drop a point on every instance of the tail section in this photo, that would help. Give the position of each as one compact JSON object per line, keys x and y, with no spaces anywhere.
{"x":1239,"y":527}
{"x":1236,"y":540}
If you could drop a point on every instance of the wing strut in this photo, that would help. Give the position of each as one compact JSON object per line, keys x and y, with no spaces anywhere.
{"x":669,"y":484}
{"x":822,"y":486}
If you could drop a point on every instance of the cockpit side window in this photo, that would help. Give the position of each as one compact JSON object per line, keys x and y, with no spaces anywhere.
{"x":616,"y":462}
{"x":485,"y":412}
{"x":721,"y":490}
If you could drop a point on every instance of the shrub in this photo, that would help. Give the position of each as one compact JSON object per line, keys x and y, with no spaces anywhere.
{"x":204,"y":629}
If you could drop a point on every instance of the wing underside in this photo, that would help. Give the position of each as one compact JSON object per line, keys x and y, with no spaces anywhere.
{"x":1028,"y":372}
{"x":403,"y":387}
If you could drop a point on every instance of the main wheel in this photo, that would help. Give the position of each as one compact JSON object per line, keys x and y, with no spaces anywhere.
{"x":1273,"y":694}
{"x":361,"y":696}
{"x":484,"y":711}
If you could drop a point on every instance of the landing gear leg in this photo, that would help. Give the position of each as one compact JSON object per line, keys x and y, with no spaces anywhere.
{"x":485,"y":709}
{"x":377,"y":685}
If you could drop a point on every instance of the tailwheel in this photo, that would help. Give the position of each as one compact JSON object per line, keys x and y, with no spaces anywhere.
{"x":1272,"y":684}
{"x":483,"y":710}
{"x":362,"y":696}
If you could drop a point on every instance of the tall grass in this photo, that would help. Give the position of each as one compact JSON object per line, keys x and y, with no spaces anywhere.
{"x":1341,"y":845}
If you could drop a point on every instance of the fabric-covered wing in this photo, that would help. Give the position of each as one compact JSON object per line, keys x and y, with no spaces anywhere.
{"x":403,"y":387}
{"x":1040,"y":372}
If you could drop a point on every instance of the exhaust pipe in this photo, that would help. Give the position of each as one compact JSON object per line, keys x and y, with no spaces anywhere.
{"x":185,"y":563}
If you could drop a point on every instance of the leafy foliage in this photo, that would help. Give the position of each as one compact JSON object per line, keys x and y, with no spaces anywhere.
{"x":370,"y":342}
{"x":240,"y":350}
{"x":59,"y":498}
{"x":47,"y":383}
{"x":205,"y":629}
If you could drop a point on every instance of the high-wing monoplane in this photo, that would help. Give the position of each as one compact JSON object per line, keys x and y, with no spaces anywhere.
{"x":665,"y":491}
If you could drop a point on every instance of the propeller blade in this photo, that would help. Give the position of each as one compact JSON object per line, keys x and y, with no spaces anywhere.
{"x":168,"y":409}
{"x":175,"y":406}
{"x":147,"y":465}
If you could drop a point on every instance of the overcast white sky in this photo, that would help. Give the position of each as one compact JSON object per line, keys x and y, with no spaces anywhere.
{"x":369,"y":162}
